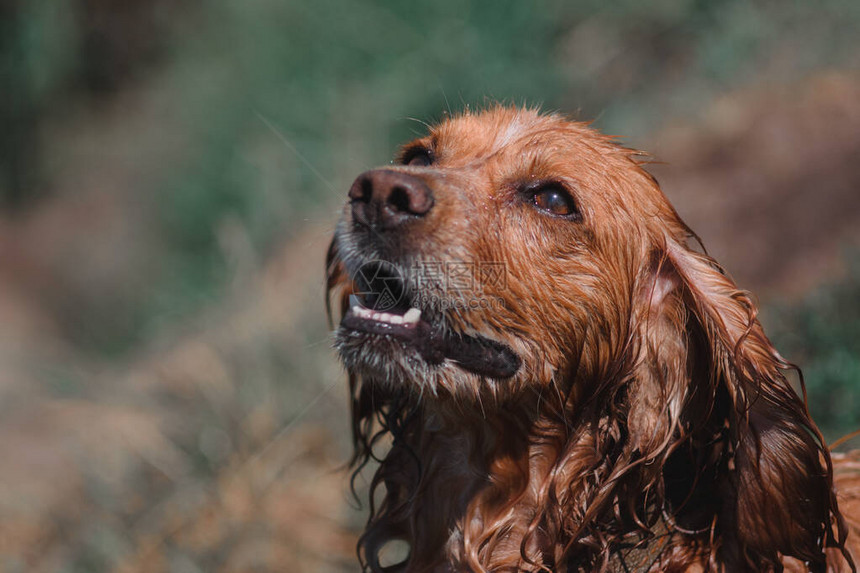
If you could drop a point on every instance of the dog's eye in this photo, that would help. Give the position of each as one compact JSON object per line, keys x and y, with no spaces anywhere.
{"x":417,"y":157}
{"x":555,"y":200}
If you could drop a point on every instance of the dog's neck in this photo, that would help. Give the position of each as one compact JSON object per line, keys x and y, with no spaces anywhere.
{"x":480,"y":469}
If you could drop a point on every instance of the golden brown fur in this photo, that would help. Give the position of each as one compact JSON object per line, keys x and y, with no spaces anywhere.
{"x":647,"y":403}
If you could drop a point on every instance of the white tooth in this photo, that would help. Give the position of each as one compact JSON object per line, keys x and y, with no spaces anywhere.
{"x":396,"y":319}
{"x":356,"y":310}
{"x":385,"y":317}
{"x":376,"y":316}
{"x":412,"y":315}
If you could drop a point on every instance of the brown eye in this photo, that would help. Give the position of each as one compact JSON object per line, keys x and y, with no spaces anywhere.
{"x":556,"y":201}
{"x":417,"y":157}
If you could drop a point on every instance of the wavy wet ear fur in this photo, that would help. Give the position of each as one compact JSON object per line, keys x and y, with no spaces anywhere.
{"x":748,"y":460}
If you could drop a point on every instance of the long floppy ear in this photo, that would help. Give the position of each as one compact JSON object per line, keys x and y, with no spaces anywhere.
{"x":740,"y":453}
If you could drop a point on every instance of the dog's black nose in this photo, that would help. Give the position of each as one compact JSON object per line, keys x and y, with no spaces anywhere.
{"x":386,"y":199}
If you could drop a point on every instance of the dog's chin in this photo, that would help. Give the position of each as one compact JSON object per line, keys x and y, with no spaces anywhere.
{"x":397,"y":348}
{"x":391,"y":365}
{"x":387,"y":361}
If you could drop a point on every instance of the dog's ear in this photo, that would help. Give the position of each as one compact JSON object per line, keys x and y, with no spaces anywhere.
{"x":737,"y":445}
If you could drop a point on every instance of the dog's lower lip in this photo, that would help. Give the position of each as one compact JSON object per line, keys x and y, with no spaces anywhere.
{"x":476,"y":354}
{"x":419,"y":335}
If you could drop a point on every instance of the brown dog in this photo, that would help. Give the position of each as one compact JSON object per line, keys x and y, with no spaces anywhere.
{"x":560,"y":381}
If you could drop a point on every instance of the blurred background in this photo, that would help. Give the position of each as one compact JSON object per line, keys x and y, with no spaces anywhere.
{"x":170,"y":175}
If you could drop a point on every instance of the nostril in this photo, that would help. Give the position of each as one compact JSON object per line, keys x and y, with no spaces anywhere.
{"x":362,"y":190}
{"x":399,"y":199}
{"x":366,"y":190}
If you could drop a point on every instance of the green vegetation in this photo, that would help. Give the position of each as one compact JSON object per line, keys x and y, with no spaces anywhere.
{"x":822,"y":334}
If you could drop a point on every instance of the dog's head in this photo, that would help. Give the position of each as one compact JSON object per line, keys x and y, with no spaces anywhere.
{"x":501,"y":250}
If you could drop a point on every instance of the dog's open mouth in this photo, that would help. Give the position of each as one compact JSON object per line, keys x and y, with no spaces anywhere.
{"x":381,"y":307}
